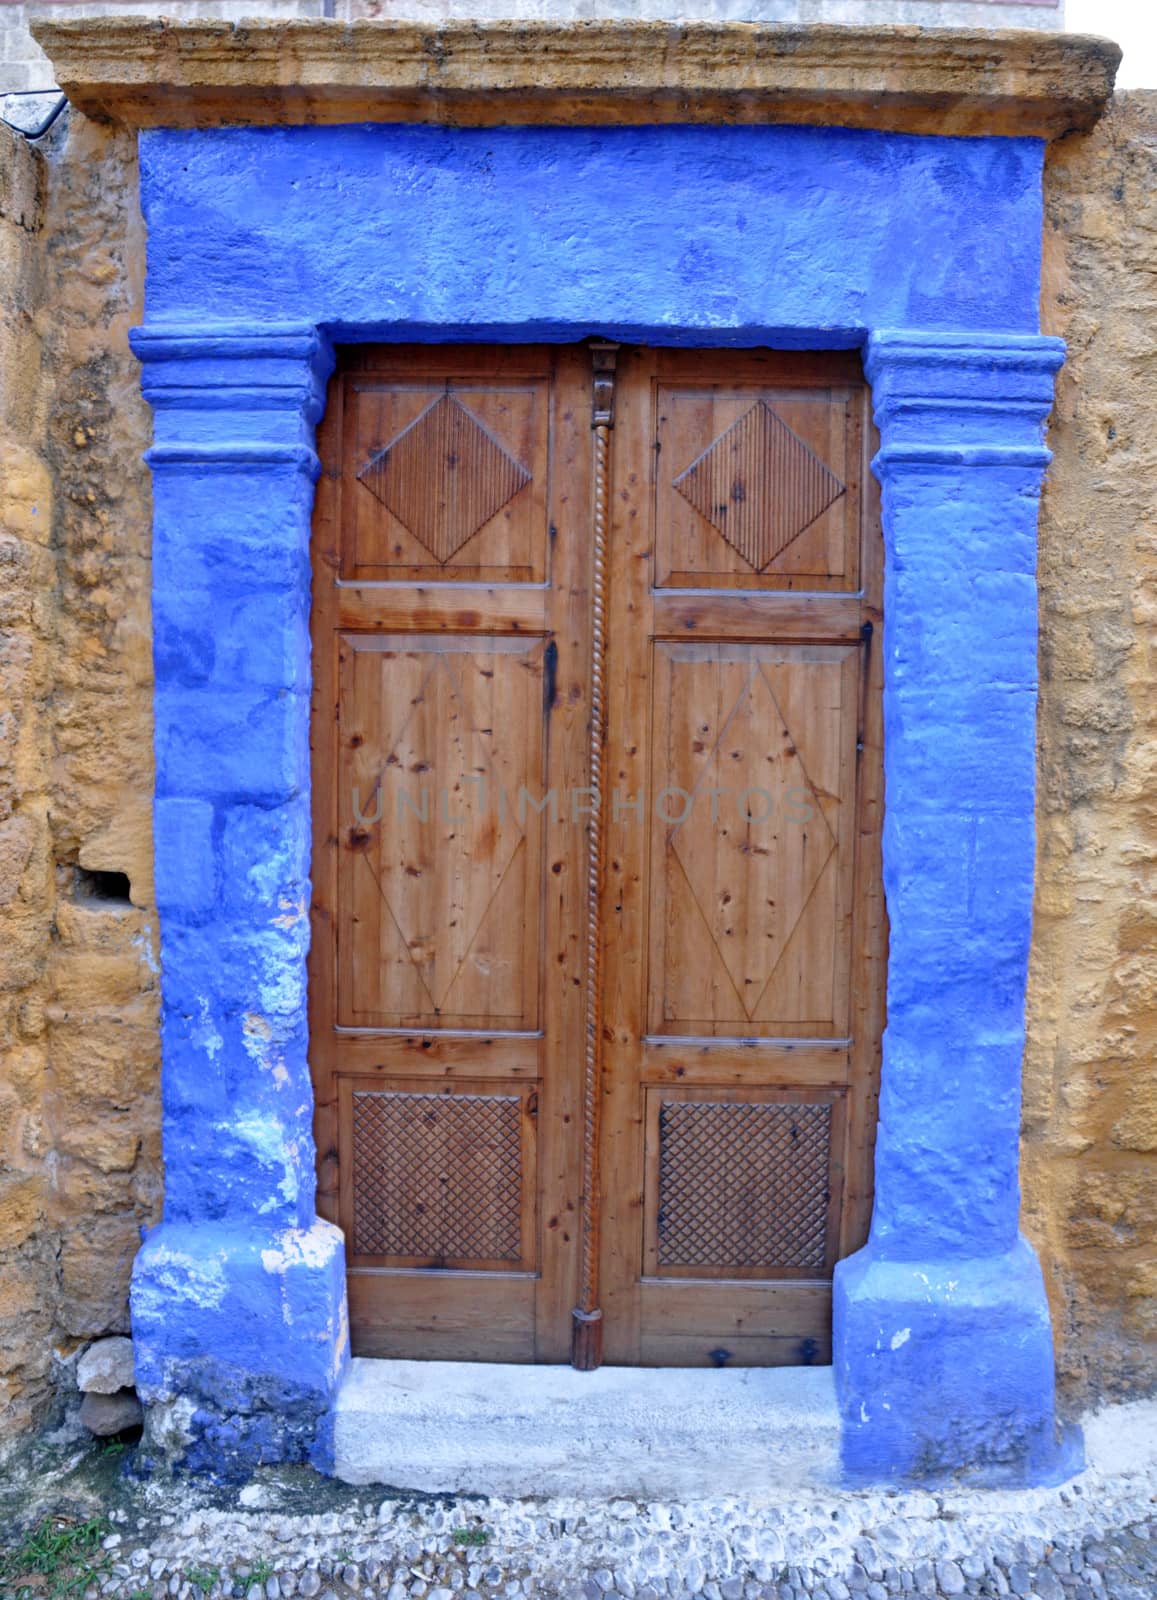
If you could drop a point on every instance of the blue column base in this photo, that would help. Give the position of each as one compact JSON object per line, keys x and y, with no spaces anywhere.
{"x":240,"y":1337}
{"x":944,"y":1372}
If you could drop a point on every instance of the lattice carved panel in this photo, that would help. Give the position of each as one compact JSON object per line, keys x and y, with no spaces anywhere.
{"x":743,"y":1186}
{"x":438,"y":1178}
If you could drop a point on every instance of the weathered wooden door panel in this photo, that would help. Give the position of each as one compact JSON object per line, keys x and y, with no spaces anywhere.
{"x":470,"y":1316}
{"x":748,"y":1325}
{"x":742,"y":919}
{"x":751,"y":850}
{"x":738,"y":909}
{"x":451,"y":660}
{"x":440,"y":888}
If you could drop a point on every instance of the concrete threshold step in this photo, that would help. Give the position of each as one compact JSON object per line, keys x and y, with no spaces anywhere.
{"x":489,"y":1429}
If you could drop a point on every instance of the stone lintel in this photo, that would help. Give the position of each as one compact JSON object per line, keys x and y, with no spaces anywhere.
{"x":151,"y":72}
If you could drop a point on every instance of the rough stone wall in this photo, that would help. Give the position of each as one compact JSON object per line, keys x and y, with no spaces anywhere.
{"x":1090,"y":1116}
{"x":26,"y":887}
{"x":79,"y":1103}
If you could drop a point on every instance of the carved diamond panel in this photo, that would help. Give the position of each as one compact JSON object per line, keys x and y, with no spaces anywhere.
{"x":437,"y":1177}
{"x":743,"y":1185}
{"x":444,"y":477}
{"x":759,"y":485}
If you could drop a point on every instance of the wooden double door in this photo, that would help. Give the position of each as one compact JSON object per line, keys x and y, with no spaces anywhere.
{"x":598,"y":944}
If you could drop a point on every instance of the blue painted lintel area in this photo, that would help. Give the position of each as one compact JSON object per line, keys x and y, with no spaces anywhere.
{"x":269,"y":245}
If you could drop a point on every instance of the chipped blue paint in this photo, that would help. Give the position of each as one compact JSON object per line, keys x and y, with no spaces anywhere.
{"x":238,"y":1298}
{"x":265,"y":245}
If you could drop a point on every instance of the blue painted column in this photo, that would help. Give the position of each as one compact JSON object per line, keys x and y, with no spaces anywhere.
{"x":943,"y":1348}
{"x":238,"y":1297}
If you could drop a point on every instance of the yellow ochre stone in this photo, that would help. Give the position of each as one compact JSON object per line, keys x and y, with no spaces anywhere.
{"x":149,"y":71}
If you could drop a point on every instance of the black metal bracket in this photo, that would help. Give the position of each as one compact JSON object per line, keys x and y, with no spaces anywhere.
{"x":41,"y":128}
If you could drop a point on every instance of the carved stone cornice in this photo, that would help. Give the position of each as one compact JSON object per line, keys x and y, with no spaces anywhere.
{"x":152,"y":72}
{"x":961,"y":399}
{"x":233,"y":394}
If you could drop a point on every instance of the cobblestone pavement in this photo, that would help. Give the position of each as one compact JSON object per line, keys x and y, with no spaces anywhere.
{"x":717,"y":1552}
{"x":290,"y":1534}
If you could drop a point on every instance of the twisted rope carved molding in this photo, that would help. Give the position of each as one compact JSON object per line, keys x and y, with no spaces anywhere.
{"x":587,"y":1339}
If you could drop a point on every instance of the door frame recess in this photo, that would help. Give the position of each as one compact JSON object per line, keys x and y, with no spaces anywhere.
{"x":921,"y":251}
{"x":613,"y":1050}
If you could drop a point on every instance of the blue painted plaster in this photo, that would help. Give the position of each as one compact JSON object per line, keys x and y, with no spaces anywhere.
{"x":749,"y":234}
{"x":943,"y":1347}
{"x":944,"y":1371}
{"x":265,"y":245}
{"x":238,"y":1298}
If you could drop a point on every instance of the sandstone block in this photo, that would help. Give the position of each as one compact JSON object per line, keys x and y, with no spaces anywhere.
{"x":17,"y":837}
{"x":1137,"y":1129}
{"x":25,"y":494}
{"x":110,"y":1143}
{"x":21,"y":1210}
{"x":96,"y":1260}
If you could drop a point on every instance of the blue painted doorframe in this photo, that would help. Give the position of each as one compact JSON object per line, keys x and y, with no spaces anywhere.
{"x":266,"y":246}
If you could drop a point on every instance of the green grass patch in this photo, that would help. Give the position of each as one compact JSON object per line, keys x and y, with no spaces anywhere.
{"x":203,"y":1578}
{"x":59,"y":1557}
{"x":471,"y":1536}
